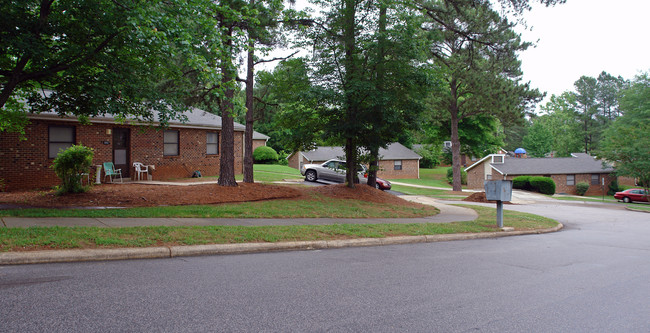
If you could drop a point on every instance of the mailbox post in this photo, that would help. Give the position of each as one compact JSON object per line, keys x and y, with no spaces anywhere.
{"x":499,"y":190}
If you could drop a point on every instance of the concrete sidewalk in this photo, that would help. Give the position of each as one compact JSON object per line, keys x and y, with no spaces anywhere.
{"x":447,"y":214}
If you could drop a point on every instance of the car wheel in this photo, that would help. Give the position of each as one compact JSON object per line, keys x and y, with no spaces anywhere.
{"x":310,"y":176}
{"x":377,"y":186}
{"x":627,"y":200}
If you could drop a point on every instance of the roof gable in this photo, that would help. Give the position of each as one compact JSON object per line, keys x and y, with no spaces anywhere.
{"x":394,"y":151}
{"x":196,"y":118}
{"x":578,"y":163}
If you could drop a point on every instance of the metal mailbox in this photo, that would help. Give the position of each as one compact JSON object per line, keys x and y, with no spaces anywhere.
{"x":499,"y":190}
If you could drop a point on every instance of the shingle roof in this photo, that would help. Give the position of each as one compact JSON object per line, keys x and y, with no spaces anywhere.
{"x":581,"y":163}
{"x":260,"y":136}
{"x":195,"y":118}
{"x":394,"y":151}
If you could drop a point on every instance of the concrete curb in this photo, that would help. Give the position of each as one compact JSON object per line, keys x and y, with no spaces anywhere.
{"x":53,"y":256}
{"x":637,"y":210}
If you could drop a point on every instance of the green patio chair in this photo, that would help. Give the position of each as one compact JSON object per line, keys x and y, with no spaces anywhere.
{"x":110,"y":171}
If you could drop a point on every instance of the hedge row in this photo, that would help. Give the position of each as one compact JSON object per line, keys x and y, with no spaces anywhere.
{"x":542,"y":185}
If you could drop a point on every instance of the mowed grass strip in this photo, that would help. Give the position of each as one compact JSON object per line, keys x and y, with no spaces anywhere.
{"x":318,"y":206}
{"x":436,"y":177}
{"x":436,"y":193}
{"x":38,"y":238}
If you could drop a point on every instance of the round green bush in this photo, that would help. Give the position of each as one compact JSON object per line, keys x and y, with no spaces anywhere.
{"x":543,"y":185}
{"x":450,"y":176}
{"x":265,"y":155}
{"x":70,"y":164}
{"x":522,"y":183}
{"x":581,"y":188}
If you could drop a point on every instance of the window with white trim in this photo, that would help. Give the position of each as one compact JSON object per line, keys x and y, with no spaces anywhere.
{"x":397,"y":165}
{"x":497,"y":159}
{"x":170,"y":143}
{"x":212,"y":143}
{"x":59,"y":138}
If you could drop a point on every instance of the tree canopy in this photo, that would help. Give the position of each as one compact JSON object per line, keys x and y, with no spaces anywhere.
{"x":626,"y":142}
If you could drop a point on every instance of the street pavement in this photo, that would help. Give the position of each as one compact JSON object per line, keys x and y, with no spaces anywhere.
{"x":591,"y":277}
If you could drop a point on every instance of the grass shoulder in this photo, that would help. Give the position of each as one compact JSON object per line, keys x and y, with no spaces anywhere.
{"x":39,"y":238}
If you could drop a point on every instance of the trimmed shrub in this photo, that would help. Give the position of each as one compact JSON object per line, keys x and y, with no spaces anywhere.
{"x":265,"y":155}
{"x":69,"y":165}
{"x":522,"y":183}
{"x":450,"y":176}
{"x":613,"y":187}
{"x":581,"y":188}
{"x":282,"y":158}
{"x":542,"y":185}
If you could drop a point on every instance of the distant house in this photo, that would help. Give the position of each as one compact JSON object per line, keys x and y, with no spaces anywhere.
{"x":259,"y":140}
{"x":566,"y":172}
{"x":175,"y":152}
{"x":396,"y":161}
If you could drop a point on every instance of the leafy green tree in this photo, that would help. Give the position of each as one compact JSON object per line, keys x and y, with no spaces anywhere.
{"x":478,"y":58}
{"x":92,"y":64}
{"x":609,"y":88}
{"x":289,"y":107}
{"x":539,"y":140}
{"x":560,"y":118}
{"x":358,"y":58}
{"x":626,"y":142}
{"x":263,"y":32}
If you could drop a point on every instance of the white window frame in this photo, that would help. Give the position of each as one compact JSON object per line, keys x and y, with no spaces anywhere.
{"x":175,"y":143}
{"x":60,"y":144}
{"x":214,"y":145}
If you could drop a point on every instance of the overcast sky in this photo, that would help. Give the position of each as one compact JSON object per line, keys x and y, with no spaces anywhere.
{"x":582,"y":37}
{"x":586,"y":37}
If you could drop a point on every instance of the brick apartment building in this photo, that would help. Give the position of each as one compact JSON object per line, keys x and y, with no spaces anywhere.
{"x":396,"y":161}
{"x":566,"y":172}
{"x":176,"y":151}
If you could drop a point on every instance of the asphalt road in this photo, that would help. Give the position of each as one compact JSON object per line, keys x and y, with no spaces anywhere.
{"x":592,"y":277}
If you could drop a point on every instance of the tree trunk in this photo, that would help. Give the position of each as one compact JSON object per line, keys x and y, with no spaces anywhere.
{"x":227,"y":161}
{"x":248,"y":135}
{"x":455,"y":140}
{"x":379,"y":82}
{"x":374,"y":167}
{"x":349,"y":90}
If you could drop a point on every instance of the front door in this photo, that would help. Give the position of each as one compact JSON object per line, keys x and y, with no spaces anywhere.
{"x":121,"y":144}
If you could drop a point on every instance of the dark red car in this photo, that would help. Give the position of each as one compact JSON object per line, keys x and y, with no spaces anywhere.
{"x":633,"y":194}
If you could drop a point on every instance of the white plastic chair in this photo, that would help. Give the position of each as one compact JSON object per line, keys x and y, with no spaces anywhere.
{"x":140,"y":169}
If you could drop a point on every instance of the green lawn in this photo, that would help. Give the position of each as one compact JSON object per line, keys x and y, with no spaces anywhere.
{"x":645,"y":207}
{"x":319,"y":206}
{"x":608,"y":198}
{"x":442,"y":194}
{"x":94,"y":237}
{"x":436,"y":177}
{"x":272,"y":173}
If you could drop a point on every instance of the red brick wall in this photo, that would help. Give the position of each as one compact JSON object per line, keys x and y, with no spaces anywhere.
{"x":258,"y":143}
{"x":410,"y":169}
{"x":562,"y":187}
{"x":294,"y":160}
{"x":25,"y":164}
{"x":476,"y":177}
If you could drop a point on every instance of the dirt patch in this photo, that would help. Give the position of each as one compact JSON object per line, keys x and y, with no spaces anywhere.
{"x":142,"y":195}
{"x":480,"y":197}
